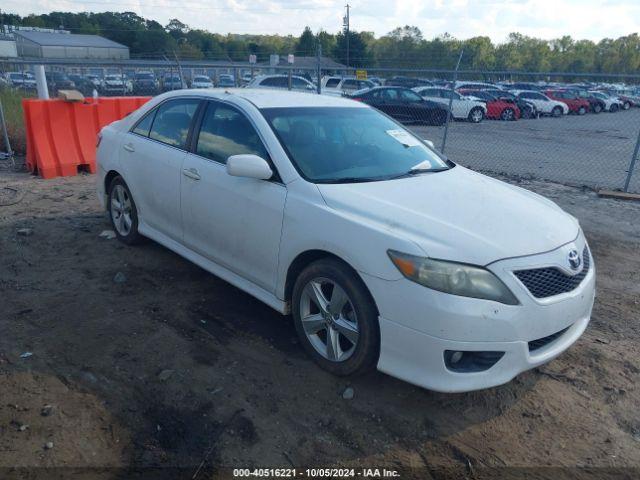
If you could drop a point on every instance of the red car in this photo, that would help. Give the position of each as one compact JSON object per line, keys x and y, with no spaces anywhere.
{"x":576,"y":104}
{"x":497,"y":108}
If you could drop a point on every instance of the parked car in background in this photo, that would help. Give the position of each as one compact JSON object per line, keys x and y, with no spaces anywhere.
{"x":282,"y":82}
{"x":246,"y":78}
{"x":544,"y":104}
{"x":24,"y":80}
{"x":462,"y":107}
{"x":496,"y":109}
{"x":95,"y":79}
{"x":226,"y":80}
{"x":407,"y":82}
{"x":201,"y":81}
{"x":59,"y":81}
{"x":611,"y":104}
{"x":576,"y":105}
{"x":83,"y":85}
{"x":527,"y":109}
{"x":386,"y":254}
{"x":596,"y":105}
{"x":145,"y":83}
{"x":376,"y":80}
{"x":344,"y":85}
{"x":116,"y":84}
{"x":404,"y":105}
{"x":629,"y":96}
{"x":172,"y":81}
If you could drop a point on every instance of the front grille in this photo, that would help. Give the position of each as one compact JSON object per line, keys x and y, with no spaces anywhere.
{"x":544,"y":341}
{"x":550,"y":281}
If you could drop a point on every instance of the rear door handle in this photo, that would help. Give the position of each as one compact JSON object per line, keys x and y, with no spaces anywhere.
{"x":191,"y":173}
{"x":128,"y":147}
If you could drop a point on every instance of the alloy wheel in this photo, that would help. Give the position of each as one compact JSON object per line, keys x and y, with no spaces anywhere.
{"x":121,"y":210}
{"x":329,"y":319}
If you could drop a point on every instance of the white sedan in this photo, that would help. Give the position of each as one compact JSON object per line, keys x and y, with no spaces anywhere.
{"x":386,"y":253}
{"x":611,"y":104}
{"x":544,"y":104}
{"x":465,"y":108}
{"x":201,"y":81}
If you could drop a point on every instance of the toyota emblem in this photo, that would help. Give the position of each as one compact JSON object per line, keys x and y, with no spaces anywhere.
{"x":574,"y":260}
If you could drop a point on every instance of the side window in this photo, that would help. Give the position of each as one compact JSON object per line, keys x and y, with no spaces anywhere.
{"x":410,"y":96}
{"x":350,"y":84}
{"x":332,"y":83}
{"x":224,"y":132}
{"x":298,"y":83}
{"x":143,"y":126}
{"x":278,"y":82}
{"x":390,"y":94}
{"x":172,"y":121}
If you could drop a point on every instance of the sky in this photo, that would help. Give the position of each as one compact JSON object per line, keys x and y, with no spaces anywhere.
{"x":582,"y":19}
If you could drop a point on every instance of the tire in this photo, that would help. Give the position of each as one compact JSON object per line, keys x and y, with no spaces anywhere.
{"x":557,"y":111}
{"x":476,"y":115}
{"x":508,"y":114}
{"x":626,"y":105}
{"x":124,"y":219}
{"x":357,"y":317}
{"x":597,"y":108}
{"x":613,"y":108}
{"x":582,"y":111}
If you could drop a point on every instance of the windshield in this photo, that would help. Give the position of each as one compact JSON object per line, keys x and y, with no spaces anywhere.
{"x":144,"y":76}
{"x":347,"y":144}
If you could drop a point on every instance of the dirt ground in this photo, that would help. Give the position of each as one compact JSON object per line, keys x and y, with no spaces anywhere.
{"x":172,"y":371}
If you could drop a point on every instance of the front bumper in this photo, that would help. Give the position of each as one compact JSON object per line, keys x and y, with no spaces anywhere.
{"x":417,"y":325}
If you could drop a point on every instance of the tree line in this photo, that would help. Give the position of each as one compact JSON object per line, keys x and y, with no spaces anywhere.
{"x":404,"y":47}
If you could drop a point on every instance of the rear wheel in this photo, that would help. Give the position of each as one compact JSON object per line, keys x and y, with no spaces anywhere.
{"x":123,"y":212}
{"x":336,"y":318}
{"x":476,"y":115}
{"x":613,"y":108}
{"x":508,"y":114}
{"x":597,"y":108}
{"x":557,"y":111}
{"x":626,"y":105}
{"x":582,"y":111}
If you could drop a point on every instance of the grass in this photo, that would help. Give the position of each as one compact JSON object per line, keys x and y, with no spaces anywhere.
{"x":12,"y":106}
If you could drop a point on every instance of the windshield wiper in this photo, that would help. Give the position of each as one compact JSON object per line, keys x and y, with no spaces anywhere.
{"x":417,"y":171}
{"x":348,"y":180}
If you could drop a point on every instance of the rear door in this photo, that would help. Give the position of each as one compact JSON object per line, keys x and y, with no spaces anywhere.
{"x":235,"y":222}
{"x":152,"y":155}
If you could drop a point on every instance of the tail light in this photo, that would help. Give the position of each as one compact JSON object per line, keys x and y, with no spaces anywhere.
{"x":357,"y":99}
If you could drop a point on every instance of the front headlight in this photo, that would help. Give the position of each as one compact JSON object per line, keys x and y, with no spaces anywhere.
{"x":453,"y":278}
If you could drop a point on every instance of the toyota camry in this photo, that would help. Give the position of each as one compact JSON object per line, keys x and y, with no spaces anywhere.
{"x":386,"y":253}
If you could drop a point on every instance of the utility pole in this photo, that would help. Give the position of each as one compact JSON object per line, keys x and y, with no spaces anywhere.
{"x":345,"y":24}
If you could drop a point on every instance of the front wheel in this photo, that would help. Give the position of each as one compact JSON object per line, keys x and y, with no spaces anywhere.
{"x":626,"y":105}
{"x":613,"y":108}
{"x":557,"y":111}
{"x":597,"y":108}
{"x":508,"y":114}
{"x":123,"y":212}
{"x":476,"y":115}
{"x":582,"y":111}
{"x":336,"y":318}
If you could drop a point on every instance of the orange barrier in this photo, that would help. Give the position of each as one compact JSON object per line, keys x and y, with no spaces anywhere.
{"x":61,"y":136}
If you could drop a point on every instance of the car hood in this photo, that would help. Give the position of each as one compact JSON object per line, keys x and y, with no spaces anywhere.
{"x":457,"y":215}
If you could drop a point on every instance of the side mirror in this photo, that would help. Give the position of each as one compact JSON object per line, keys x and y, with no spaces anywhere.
{"x":249,"y":166}
{"x":429,"y":142}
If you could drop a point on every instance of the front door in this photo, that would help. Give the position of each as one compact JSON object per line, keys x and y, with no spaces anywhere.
{"x":233,"y":221}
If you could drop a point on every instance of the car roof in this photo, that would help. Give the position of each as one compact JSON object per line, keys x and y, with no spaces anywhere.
{"x":271,"y":98}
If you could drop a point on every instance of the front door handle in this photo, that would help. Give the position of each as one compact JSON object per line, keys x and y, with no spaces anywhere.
{"x":128,"y":147}
{"x":191,"y":173}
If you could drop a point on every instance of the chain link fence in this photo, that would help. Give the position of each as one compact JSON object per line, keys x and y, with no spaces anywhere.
{"x":572,"y":128}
